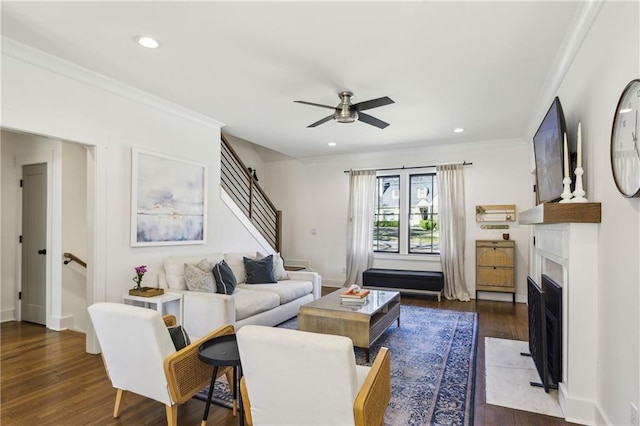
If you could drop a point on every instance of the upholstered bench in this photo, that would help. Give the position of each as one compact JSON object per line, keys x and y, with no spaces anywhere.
{"x":405,"y":281}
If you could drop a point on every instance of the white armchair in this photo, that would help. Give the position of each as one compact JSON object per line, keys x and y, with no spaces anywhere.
{"x":299,"y":378}
{"x":140,"y":357}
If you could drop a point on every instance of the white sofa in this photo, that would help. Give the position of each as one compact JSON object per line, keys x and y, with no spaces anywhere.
{"x":258,"y":304}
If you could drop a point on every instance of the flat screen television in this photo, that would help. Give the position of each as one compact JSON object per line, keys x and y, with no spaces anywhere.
{"x":548,"y":148}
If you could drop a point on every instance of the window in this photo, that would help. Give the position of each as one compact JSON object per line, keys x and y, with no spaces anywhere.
{"x":411,"y":196}
{"x":386,"y":221}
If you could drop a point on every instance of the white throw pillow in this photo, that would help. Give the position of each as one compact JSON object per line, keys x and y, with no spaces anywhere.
{"x":278,"y":266}
{"x":174,"y":268}
{"x":235,"y":262}
{"x":200,"y":277}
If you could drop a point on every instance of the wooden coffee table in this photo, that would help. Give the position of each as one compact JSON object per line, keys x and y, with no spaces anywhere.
{"x":364,"y":324}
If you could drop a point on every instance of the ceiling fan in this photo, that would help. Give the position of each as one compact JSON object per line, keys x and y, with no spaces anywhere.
{"x":346,"y":112}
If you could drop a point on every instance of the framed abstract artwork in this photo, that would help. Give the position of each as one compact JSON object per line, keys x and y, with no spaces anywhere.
{"x":168,"y":200}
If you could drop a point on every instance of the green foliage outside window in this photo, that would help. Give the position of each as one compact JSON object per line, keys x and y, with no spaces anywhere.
{"x":429,"y":225}
{"x":386,"y":224}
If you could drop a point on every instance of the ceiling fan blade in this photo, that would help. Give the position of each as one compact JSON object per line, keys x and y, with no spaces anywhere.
{"x":366,"y":118}
{"x":319,"y":122}
{"x":312,"y":104}
{"x":373,"y":103}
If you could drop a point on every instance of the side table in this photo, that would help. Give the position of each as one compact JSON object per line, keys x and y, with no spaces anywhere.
{"x":222,"y":352}
{"x":158,"y":301}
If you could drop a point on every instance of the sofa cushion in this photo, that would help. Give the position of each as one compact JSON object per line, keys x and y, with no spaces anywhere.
{"x":225,"y":280}
{"x":199,"y":277}
{"x":174,"y":268}
{"x":250,"y":302}
{"x":287,"y":290}
{"x":259,"y":271}
{"x":235,"y":262}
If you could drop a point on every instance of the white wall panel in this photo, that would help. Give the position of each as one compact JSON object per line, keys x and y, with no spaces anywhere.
{"x":608,"y":59}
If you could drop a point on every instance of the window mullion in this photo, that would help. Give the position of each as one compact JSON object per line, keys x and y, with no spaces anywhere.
{"x":403,"y":243}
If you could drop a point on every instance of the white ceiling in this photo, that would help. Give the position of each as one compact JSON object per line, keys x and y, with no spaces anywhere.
{"x":478,"y":65}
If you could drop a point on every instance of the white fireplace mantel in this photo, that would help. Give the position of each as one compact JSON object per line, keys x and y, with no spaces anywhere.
{"x":567,"y":252}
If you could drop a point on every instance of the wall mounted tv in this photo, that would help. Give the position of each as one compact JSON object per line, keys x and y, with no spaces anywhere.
{"x":548,"y":148}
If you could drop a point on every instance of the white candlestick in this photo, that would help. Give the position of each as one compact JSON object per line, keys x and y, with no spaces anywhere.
{"x":566,"y":157}
{"x":579,"y":192}
{"x":566,"y":194}
{"x":579,"y":145}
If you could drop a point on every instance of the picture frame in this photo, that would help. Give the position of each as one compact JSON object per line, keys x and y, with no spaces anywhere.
{"x":168,"y":200}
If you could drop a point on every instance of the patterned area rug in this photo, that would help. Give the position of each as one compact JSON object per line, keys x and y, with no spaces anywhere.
{"x":433,"y":362}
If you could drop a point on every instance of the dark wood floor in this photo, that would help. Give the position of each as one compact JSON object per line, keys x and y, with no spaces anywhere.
{"x":47,"y":378}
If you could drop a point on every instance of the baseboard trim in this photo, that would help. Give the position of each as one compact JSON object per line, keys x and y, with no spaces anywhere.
{"x":500,"y":297}
{"x":8,"y":314}
{"x":576,"y":410}
{"x":61,"y":323}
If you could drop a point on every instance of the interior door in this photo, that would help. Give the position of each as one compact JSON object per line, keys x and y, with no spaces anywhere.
{"x":34,"y":243}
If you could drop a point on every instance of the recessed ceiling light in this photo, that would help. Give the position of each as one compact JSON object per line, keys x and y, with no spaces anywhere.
{"x":146,"y":41}
{"x":332,"y":144}
{"x":458,"y":130}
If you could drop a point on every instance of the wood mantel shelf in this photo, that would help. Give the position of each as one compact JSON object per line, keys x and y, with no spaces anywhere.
{"x":561,"y":213}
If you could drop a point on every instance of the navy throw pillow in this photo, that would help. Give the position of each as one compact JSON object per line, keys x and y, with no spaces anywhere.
{"x":179,"y":336}
{"x":225,"y":280}
{"x":259,"y":271}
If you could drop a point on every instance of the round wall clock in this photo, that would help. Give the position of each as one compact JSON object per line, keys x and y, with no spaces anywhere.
{"x":625,"y":147}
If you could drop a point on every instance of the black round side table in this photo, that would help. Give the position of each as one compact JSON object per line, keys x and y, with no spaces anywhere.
{"x":222,"y":352}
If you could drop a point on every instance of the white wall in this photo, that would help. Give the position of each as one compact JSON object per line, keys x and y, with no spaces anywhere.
{"x":248,"y":154}
{"x":313,"y":195}
{"x":74,"y":233}
{"x":43,"y":95}
{"x":608,"y":59}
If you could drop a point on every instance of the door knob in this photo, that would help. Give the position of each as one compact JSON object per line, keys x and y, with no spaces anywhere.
{"x":43,"y":251}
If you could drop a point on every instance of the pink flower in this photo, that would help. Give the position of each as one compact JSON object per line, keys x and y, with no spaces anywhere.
{"x":140,"y":270}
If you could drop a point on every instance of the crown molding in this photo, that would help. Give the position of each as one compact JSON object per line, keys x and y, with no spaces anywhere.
{"x":35,"y":57}
{"x":576,"y":33}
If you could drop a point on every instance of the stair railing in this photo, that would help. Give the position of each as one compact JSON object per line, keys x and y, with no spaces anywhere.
{"x":70,"y":257}
{"x":242,"y":186}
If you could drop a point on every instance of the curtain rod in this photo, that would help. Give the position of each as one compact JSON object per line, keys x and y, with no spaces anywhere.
{"x":464,"y":163}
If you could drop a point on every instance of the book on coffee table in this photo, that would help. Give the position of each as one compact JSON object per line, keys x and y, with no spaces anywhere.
{"x":360,"y":294}
{"x":352,"y":301}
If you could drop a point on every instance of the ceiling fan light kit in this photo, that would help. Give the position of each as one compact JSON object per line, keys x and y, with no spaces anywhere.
{"x":346,"y":112}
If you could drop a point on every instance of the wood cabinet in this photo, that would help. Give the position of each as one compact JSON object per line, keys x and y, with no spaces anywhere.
{"x":495,"y":266}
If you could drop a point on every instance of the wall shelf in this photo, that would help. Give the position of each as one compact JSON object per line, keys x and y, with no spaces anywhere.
{"x":496,"y":213}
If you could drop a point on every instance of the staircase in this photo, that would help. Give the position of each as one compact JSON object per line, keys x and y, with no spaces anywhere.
{"x":241,"y":186}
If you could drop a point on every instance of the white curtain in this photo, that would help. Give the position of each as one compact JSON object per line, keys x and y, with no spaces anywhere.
{"x":362,"y":193}
{"x":452,"y":229}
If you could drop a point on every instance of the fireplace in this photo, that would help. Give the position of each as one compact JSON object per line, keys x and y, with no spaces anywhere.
{"x":565,"y":247}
